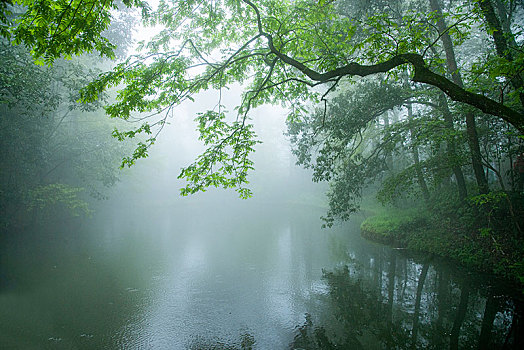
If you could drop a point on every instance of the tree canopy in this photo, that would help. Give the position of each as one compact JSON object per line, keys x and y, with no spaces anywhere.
{"x":57,"y":153}
{"x":62,"y":28}
{"x":295,"y":53}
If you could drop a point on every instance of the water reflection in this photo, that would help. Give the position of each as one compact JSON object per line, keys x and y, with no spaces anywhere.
{"x":245,"y":342}
{"x":397,"y":302}
{"x":269,"y":278}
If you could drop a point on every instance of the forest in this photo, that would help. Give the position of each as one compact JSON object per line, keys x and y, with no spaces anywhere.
{"x":408,"y":113}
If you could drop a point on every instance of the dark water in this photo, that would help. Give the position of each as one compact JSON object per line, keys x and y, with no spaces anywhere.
{"x":238,"y":276}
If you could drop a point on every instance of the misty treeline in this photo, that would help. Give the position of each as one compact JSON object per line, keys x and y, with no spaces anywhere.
{"x":57,"y":153}
{"x":408,"y":140}
{"x":418,"y":101}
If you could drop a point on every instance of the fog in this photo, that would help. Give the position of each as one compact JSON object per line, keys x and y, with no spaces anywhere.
{"x":275,"y":180}
{"x":381,"y":216}
{"x":151,"y":269}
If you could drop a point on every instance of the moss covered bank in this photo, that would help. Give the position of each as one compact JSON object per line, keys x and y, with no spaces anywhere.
{"x":467,"y":240}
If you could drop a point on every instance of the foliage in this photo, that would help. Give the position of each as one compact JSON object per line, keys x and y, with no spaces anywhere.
{"x":56,"y":151}
{"x":399,"y":125}
{"x":279,"y":51}
{"x":335,"y":142}
{"x":53,"y":29}
{"x":45,"y":196}
{"x":487,"y":240}
{"x":232,"y":145}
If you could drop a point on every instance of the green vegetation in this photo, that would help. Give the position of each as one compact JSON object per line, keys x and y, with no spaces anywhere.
{"x":385,"y":306}
{"x":300,"y":54}
{"x":477,"y":234}
{"x":54,"y":29}
{"x":419,"y":102}
{"x":57,"y":153}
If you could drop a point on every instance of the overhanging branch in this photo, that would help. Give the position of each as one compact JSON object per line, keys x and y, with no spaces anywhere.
{"x":422,"y":74}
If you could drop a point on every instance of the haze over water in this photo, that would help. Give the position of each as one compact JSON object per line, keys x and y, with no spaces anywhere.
{"x":152,"y":270}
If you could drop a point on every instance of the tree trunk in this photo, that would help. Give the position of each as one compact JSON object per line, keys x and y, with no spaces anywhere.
{"x":418,"y":170}
{"x":452,"y":149}
{"x":515,"y":331}
{"x":442,"y":306}
{"x":490,"y":311}
{"x":476,"y":158}
{"x":505,"y":21}
{"x":501,"y":44}
{"x":471,"y":128}
{"x":391,"y":295}
{"x":389,"y":157}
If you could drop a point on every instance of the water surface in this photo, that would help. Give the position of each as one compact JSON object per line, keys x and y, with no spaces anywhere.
{"x":233,"y":275}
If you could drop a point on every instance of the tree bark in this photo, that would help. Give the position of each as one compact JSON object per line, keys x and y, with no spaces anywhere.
{"x":501,"y":44}
{"x":452,"y":149}
{"x":505,"y":21}
{"x":418,"y":170}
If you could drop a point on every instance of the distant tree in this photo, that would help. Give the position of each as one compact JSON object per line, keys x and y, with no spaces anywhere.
{"x":56,"y":152}
{"x":281,"y":52}
{"x":347,"y":145}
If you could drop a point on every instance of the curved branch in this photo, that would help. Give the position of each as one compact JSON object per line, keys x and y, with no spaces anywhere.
{"x":422,"y":74}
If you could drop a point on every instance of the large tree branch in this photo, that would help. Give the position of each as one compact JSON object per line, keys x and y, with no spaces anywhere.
{"x":459,"y":94}
{"x":422,"y":74}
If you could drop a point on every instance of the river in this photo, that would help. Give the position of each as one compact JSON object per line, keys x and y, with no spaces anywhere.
{"x":238,"y":275}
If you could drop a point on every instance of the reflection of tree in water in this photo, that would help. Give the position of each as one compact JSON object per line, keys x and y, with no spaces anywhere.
{"x":246,"y":342}
{"x":359,"y":319}
{"x":347,"y":298}
{"x":413,"y":306}
{"x":311,"y":338}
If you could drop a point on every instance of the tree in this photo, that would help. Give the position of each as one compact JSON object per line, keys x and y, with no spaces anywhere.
{"x":346,"y":144}
{"x":286,"y":50}
{"x":56,"y":151}
{"x":53,"y":29}
{"x":452,"y":68}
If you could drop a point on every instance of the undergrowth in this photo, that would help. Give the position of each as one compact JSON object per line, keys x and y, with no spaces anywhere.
{"x":482,"y":232}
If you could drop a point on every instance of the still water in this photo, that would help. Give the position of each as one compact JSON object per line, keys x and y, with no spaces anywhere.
{"x":248,"y":275}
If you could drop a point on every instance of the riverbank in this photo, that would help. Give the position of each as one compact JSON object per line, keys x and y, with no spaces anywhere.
{"x":496,"y":251}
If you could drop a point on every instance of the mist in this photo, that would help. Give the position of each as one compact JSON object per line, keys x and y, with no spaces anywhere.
{"x":261,"y":175}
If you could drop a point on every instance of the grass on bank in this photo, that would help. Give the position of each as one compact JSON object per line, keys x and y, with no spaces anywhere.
{"x":480,"y":234}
